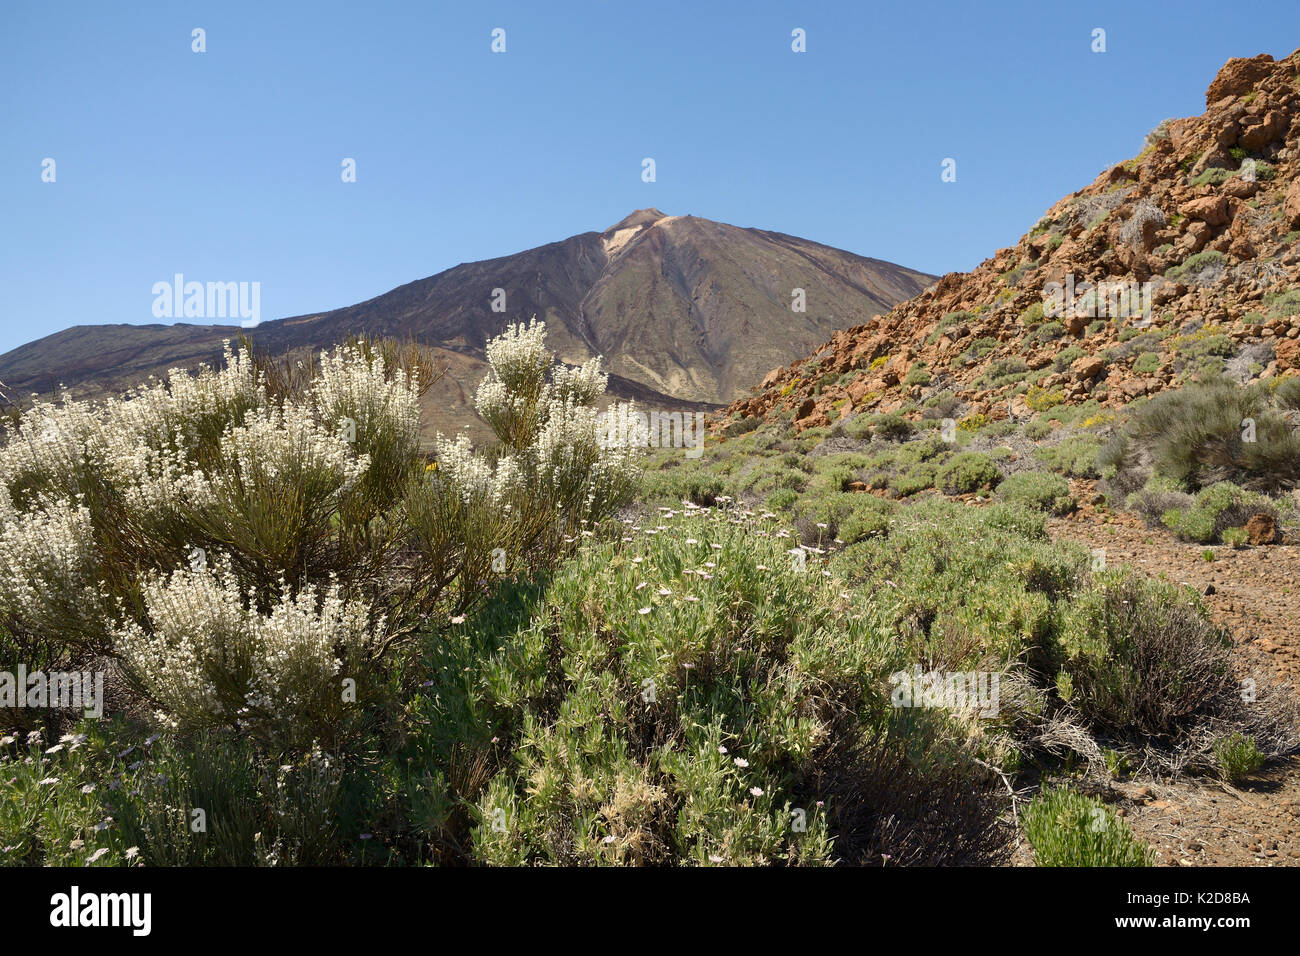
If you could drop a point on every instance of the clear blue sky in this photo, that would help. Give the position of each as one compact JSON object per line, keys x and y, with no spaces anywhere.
{"x":225,"y":166}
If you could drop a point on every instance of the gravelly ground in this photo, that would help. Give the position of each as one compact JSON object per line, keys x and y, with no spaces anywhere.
{"x":1256,"y":594}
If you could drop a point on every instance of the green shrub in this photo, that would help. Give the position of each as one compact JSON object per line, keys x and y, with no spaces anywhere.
{"x":1048,"y":331}
{"x":817,"y":517}
{"x":1039,"y":491}
{"x":858,"y":427}
{"x":946,"y":572}
{"x":918,"y":374}
{"x":944,"y":405}
{"x":1199,"y":269}
{"x":977,"y":350}
{"x":741,"y":426}
{"x":1202,"y":346}
{"x":1075,"y":457}
{"x":101,"y":798}
{"x":1144,"y":659}
{"x":768,"y":480}
{"x":1148,"y":363}
{"x":1216,"y":509}
{"x":1067,"y":356}
{"x":1066,"y":828}
{"x":646,"y":716}
{"x":1138,"y":663}
{"x":998,"y":429}
{"x":1038,"y":429}
{"x":924,"y":449}
{"x":1286,"y":393}
{"x":782,"y":499}
{"x":914,"y":479}
{"x":1212,"y":176}
{"x":1283,"y":303}
{"x":1238,"y":756}
{"x":1198,"y":435}
{"x":891,"y":426}
{"x":1004,"y":371}
{"x":1013,"y":275}
{"x":967,"y":472}
{"x":1238,"y":538}
{"x":869,"y":518}
{"x":687,"y":481}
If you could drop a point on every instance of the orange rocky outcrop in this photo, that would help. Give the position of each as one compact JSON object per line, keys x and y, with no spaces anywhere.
{"x":1198,"y":231}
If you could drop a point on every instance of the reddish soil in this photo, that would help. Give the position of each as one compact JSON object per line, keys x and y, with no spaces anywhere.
{"x":1256,"y":594}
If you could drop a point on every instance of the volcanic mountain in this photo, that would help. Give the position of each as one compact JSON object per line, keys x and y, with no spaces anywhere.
{"x":687,"y":313}
{"x":1181,"y":259}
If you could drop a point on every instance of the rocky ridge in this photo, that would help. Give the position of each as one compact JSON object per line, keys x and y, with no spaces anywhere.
{"x":1202,"y":225}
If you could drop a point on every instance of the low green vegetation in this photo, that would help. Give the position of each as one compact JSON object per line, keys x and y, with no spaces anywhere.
{"x":1048,"y":331}
{"x":1074,"y":456}
{"x":1283,"y":303}
{"x":1238,"y":757}
{"x":1066,"y":828}
{"x":780,"y":649}
{"x":1214,"y":512}
{"x":1199,"y":269}
{"x":918,"y":374}
{"x":1208,"y":432}
{"x":966,"y":473}
{"x":1148,"y":363}
{"x":1038,"y":491}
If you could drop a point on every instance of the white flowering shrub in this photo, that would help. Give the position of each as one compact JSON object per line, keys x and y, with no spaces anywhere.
{"x":206,"y":654}
{"x":574,"y":464}
{"x":551,"y":430}
{"x":357,"y":393}
{"x":519,"y":359}
{"x":554,"y":474}
{"x":217,"y":534}
{"x":246,"y":542}
{"x":581,"y":385}
{"x":48,"y":581}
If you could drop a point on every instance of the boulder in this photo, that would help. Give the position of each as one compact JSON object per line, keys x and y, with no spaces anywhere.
{"x":1211,"y":210}
{"x":1262,"y":529}
{"x":1292,"y":208}
{"x":858,"y":388}
{"x":1075,"y":324}
{"x":1240,"y":188}
{"x":1287,"y":352}
{"x":1268,"y":130}
{"x":1087,"y":367}
{"x":1242,"y":248}
{"x":1238,"y":76}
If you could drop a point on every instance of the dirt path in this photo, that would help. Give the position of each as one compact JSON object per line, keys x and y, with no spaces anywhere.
{"x":1256,"y":594}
